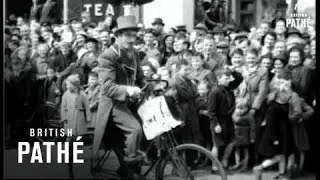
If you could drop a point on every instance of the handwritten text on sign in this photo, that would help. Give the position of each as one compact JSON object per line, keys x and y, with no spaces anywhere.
{"x":156,"y":117}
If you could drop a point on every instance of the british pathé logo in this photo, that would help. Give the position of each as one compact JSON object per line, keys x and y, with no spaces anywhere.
{"x":298,"y":20}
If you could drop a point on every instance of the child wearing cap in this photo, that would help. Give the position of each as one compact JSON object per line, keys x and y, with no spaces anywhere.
{"x":75,"y":108}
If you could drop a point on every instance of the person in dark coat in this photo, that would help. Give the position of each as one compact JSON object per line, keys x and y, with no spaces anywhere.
{"x":221,"y":105}
{"x":300,"y":74}
{"x":50,"y":13}
{"x":300,"y":133}
{"x":64,"y":59}
{"x":35,"y":10}
{"x":17,"y":88}
{"x":186,"y":96}
{"x":158,"y":27}
{"x":277,"y":142}
{"x":202,"y":110}
{"x":52,"y":92}
{"x":120,"y":76}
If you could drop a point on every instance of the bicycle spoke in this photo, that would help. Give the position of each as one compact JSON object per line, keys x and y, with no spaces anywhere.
{"x":186,"y":162}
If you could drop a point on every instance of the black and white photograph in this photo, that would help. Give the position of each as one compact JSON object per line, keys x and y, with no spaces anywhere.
{"x":159,"y":89}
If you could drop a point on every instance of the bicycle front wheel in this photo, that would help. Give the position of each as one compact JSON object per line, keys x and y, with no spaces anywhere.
{"x":189,"y":164}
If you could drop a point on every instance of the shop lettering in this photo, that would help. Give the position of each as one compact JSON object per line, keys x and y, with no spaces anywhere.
{"x":98,"y":9}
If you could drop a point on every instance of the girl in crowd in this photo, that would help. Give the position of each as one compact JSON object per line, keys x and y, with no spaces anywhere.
{"x":166,"y":48}
{"x":75,"y":108}
{"x":267,"y":42}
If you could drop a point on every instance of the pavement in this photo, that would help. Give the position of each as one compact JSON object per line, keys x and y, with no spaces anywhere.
{"x":54,"y":170}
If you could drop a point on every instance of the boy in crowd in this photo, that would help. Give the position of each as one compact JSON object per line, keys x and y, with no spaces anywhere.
{"x":221,"y":105}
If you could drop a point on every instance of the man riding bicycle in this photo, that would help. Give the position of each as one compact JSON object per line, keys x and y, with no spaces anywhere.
{"x":120,"y":77}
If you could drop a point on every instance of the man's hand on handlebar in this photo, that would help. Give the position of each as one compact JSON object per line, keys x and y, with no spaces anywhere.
{"x":133,"y":91}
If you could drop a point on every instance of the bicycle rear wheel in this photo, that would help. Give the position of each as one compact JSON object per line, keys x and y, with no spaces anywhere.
{"x":188,"y":154}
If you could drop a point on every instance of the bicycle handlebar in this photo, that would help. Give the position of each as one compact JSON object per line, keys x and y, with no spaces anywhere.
{"x":149,"y":82}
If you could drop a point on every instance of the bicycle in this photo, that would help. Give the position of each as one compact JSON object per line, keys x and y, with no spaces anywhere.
{"x":176,"y":159}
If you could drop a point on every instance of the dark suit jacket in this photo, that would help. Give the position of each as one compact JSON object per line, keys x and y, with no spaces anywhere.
{"x":50,"y":13}
{"x":221,"y":105}
{"x":301,"y":79}
{"x":117,"y":70}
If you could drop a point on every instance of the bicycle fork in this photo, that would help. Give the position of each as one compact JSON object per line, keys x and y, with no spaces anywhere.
{"x":177,"y":159}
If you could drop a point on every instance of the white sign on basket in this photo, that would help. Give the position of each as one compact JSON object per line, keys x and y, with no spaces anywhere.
{"x":156,"y":117}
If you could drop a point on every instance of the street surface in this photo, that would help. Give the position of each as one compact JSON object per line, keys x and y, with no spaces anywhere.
{"x":14,"y":170}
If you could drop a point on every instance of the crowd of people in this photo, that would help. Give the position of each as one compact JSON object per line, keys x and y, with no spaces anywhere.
{"x":252,"y":92}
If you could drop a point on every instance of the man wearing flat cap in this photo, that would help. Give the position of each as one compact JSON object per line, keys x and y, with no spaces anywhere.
{"x":120,"y":77}
{"x":158,"y":27}
{"x":223,"y":49}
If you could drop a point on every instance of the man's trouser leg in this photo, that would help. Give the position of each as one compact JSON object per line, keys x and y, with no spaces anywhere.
{"x":125,"y":120}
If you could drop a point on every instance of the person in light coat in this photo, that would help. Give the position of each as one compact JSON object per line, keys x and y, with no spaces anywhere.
{"x":74,"y":107}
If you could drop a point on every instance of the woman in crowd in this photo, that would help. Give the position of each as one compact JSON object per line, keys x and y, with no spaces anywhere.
{"x":301,"y":75}
{"x":267,"y":42}
{"x":166,"y":49}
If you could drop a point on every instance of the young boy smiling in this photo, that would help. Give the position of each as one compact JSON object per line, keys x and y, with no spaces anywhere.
{"x":221,"y":105}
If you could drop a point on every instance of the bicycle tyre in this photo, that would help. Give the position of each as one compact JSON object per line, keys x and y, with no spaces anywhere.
{"x":160,"y":170}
